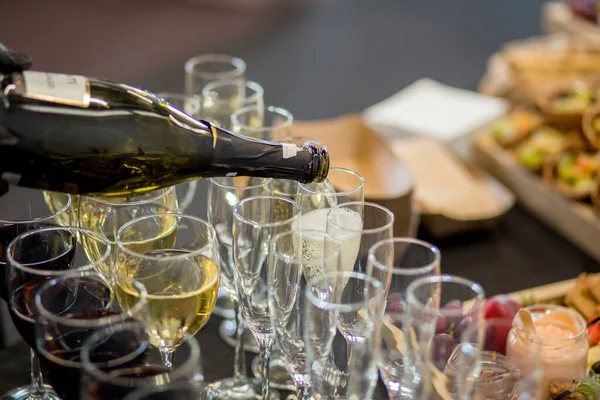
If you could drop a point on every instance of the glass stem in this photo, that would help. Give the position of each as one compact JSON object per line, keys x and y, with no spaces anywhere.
{"x":265,"y":366}
{"x":239,"y":361}
{"x":167,"y":355}
{"x":37,"y":381}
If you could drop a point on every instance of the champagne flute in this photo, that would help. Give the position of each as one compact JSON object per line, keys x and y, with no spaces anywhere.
{"x":292,"y":254}
{"x":220,"y":99}
{"x":396,"y":263}
{"x":439,"y":309}
{"x":69,"y":309}
{"x":18,"y":214}
{"x":256,"y":220}
{"x":352,"y":303}
{"x":180,"y":272}
{"x":205,"y":68}
{"x":117,"y":360}
{"x":223,"y":194}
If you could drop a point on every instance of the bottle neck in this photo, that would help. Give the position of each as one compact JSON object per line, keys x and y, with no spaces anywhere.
{"x":254,"y":157}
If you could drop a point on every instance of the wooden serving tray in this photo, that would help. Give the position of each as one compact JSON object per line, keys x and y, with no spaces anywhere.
{"x":578,"y":222}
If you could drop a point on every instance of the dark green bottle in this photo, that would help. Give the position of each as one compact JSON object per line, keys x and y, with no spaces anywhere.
{"x":79,"y":135}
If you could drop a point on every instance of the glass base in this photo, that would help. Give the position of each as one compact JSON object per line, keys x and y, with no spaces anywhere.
{"x":236,"y":389}
{"x":280,"y":377}
{"x":224,"y":306}
{"x":227,"y":333}
{"x":30,"y":393}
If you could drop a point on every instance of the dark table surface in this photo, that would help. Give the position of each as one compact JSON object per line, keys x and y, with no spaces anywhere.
{"x":332,"y":58}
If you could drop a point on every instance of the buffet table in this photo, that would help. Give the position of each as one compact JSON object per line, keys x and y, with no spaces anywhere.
{"x":335,"y":58}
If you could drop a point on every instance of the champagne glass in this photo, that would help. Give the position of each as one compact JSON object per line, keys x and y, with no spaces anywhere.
{"x":439,"y":309}
{"x":358,"y":225}
{"x":117,"y":360}
{"x":396,"y":263}
{"x":20,"y":212}
{"x":222,"y":98}
{"x":180,"y":272}
{"x":256,"y":220}
{"x":205,"y":68}
{"x":352,"y":303}
{"x":223,"y":194}
{"x":106,"y":215}
{"x":189,"y":391}
{"x":292,"y":254}
{"x":69,"y":309}
{"x":262,"y":122}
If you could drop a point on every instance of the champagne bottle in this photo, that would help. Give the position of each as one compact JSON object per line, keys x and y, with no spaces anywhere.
{"x":80,"y":135}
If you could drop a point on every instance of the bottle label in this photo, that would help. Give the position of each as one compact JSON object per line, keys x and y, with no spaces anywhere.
{"x":289,"y":150}
{"x":56,"y":88}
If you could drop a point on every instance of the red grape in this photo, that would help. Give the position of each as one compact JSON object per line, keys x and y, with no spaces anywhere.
{"x":501,"y":306}
{"x":443,"y":345}
{"x":496,"y":335}
{"x":452,"y":310}
{"x":394,"y":304}
{"x":462,"y":326}
{"x":441,"y":324}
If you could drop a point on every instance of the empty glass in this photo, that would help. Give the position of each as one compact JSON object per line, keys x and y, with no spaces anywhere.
{"x":352,"y":303}
{"x":220,"y":99}
{"x":440,"y":309}
{"x":396,"y":263}
{"x":205,"y":68}
{"x":256,"y":220}
{"x":118,"y":359}
{"x":262,"y":122}
{"x":292,"y":255}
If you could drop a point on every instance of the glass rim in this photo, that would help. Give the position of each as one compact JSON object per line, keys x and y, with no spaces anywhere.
{"x":107,"y":200}
{"x":342,"y":307}
{"x":215,"y":182}
{"x":41,"y":218}
{"x":252,"y":85}
{"x":88,"y":322}
{"x":280,"y":256}
{"x":121,"y":245}
{"x":388,"y":225}
{"x":195,"y":99}
{"x":372,"y":258}
{"x":361,"y":180}
{"x":288,"y":122}
{"x":476,"y":288}
{"x":193,"y":357}
{"x":12,"y":263}
{"x":143,"y":392}
{"x":237,"y":216}
{"x":239,"y":65}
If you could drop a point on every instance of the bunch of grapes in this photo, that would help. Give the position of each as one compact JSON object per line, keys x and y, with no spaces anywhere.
{"x":450,"y":325}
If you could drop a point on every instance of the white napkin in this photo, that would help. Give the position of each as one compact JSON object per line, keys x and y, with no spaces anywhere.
{"x":427,"y":107}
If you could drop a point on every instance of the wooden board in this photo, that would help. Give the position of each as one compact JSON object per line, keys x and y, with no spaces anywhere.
{"x":577,"y":222}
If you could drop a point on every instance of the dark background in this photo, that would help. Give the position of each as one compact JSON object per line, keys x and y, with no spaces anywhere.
{"x":319,"y":59}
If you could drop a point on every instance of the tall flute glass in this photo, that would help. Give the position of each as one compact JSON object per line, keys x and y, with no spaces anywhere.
{"x":352,"y":303}
{"x":223,"y":195}
{"x":220,"y":99}
{"x":292,"y":255}
{"x":256,"y":220}
{"x":205,"y":68}
{"x":23,"y":210}
{"x":439,"y":309}
{"x":180,"y":272}
{"x":397,"y":262}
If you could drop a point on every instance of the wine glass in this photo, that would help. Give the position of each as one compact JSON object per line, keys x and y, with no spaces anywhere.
{"x":220,"y":99}
{"x":358,"y":225}
{"x":181,"y":391}
{"x":205,"y":68}
{"x":439,"y":309}
{"x":396,"y":263}
{"x":179,"y":270}
{"x":106,"y":215}
{"x":117,"y":360}
{"x":23,"y":210}
{"x":352,"y":303}
{"x":70,"y":309}
{"x":262,"y":122}
{"x":223,"y":194}
{"x":292,"y":255}
{"x":256,"y":220}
